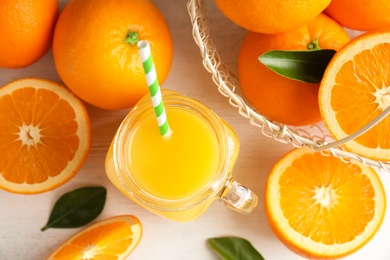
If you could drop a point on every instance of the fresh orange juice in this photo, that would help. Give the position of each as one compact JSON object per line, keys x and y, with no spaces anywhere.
{"x":180,"y":175}
{"x":177,"y":166}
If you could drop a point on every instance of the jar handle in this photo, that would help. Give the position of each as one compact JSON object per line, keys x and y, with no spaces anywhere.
{"x":238,"y":197}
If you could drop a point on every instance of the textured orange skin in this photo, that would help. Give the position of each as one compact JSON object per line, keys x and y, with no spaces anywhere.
{"x":26,"y":29}
{"x":271,"y":16}
{"x":92,"y":57}
{"x":360,"y":14}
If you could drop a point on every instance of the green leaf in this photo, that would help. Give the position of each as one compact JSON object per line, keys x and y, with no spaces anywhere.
{"x":77,"y":208}
{"x":307,"y":66}
{"x":234,"y":248}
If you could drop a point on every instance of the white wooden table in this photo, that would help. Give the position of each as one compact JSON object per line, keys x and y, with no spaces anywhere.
{"x":22,"y":216}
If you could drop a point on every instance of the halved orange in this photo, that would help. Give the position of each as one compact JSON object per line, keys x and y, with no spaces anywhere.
{"x":45,"y":135}
{"x":112,"y":238}
{"x":355,"y":89}
{"x":321,"y":207}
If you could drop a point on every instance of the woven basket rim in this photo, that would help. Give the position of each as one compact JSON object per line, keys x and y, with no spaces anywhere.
{"x":227,"y":85}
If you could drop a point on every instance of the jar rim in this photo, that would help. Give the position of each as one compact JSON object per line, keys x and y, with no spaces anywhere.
{"x":213,"y":187}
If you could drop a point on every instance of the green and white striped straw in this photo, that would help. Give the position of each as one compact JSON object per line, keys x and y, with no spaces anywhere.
{"x":154,"y":87}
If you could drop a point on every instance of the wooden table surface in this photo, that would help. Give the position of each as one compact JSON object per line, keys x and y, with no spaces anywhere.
{"x":22,"y":216}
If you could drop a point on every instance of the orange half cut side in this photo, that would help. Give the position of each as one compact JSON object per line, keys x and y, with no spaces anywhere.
{"x":45,"y":135}
{"x":356,"y":89}
{"x":321,"y":207}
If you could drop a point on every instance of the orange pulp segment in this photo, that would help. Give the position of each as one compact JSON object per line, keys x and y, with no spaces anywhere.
{"x":321,"y":207}
{"x":45,"y":135}
{"x":355,"y":89}
{"x":112,"y":238}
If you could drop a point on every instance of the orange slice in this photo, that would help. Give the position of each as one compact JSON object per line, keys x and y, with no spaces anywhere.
{"x":45,"y":135}
{"x":355,"y":89}
{"x":112,"y":238}
{"x":321,"y":207}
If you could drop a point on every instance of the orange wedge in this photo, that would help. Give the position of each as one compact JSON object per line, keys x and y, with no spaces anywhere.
{"x":112,"y":238}
{"x":356,"y":89}
{"x":321,"y":207}
{"x":45,"y":135}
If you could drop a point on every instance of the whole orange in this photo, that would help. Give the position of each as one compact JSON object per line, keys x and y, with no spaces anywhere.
{"x":26,"y":29}
{"x":271,"y":16}
{"x":281,"y":99}
{"x":93,"y":58}
{"x":360,"y":14}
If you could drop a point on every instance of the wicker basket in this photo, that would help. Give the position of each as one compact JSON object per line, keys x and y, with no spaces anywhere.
{"x":315,"y":137}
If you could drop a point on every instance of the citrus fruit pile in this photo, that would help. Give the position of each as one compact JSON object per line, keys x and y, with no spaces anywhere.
{"x":94,"y":45}
{"x":319,"y":206}
{"x":354,"y":89}
{"x":281,"y":25}
{"x":45,"y":127}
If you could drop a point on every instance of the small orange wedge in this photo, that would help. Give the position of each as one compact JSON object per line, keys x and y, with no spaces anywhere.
{"x":45,"y":135}
{"x":321,"y":207}
{"x":112,"y":238}
{"x":355,"y":89}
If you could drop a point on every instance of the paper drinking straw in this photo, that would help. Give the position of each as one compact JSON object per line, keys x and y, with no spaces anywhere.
{"x":154,"y":87}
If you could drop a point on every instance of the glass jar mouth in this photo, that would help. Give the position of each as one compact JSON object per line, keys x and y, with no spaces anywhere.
{"x":122,"y":142}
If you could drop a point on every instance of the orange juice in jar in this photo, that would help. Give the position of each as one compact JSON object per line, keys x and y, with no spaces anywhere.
{"x":180,"y":175}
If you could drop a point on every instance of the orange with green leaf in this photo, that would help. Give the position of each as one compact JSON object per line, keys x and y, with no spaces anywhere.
{"x":281,"y":99}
